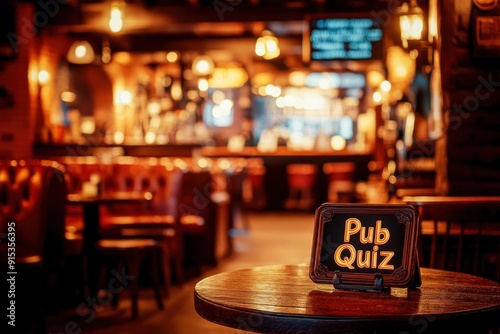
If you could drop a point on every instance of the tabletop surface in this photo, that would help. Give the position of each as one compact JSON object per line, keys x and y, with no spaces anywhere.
{"x":282,"y":298}
{"x":451,"y":199}
{"x":109,"y":197}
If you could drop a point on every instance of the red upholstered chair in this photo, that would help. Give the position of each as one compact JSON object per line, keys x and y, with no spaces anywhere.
{"x":156,"y":219}
{"x":196,"y":216}
{"x":32,"y":210}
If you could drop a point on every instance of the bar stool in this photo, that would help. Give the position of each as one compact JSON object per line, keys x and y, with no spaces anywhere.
{"x":254,"y":194}
{"x":341,"y":185}
{"x":130,"y":252}
{"x":301,"y":180}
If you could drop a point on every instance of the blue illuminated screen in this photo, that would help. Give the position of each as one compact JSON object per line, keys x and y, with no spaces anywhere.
{"x":345,"y":39}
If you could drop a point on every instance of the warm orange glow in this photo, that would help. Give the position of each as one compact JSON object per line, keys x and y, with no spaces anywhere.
{"x":297,"y":78}
{"x":203,"y":65}
{"x":172,"y":57}
{"x":267,"y":46}
{"x":338,"y":143}
{"x":68,"y":97}
{"x":203,"y":85}
{"x":385,"y":86}
{"x":80,"y":52}
{"x":229,"y":77}
{"x":400,"y":69}
{"x":43,"y":77}
{"x":411,"y":22}
{"x":115,"y":20}
{"x":124,"y":98}
{"x":374,"y":78}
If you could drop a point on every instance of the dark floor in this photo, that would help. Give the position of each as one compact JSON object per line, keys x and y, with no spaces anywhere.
{"x":272,"y":238}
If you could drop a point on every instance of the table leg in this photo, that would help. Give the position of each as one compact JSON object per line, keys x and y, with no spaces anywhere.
{"x":90,"y":237}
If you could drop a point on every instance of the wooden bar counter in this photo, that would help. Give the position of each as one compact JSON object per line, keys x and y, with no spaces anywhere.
{"x":283,"y":299}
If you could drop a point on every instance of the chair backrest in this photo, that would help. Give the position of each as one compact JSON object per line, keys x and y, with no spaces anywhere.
{"x":133,"y":175}
{"x":194,"y":194}
{"x":33,"y":197}
{"x":459,"y":233}
{"x":167,"y":182}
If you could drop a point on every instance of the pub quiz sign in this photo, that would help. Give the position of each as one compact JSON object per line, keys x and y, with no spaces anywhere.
{"x":365,"y":246}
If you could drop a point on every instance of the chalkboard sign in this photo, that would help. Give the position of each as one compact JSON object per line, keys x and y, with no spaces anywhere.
{"x":357,"y":244}
{"x":355,"y":37}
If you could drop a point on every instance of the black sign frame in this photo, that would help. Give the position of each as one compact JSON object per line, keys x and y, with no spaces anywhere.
{"x":399,"y":219}
{"x":377,"y":47}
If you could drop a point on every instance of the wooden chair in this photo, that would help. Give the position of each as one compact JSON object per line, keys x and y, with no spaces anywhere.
{"x":119,"y":220}
{"x":235,"y":182}
{"x":187,"y":216}
{"x":197,"y":218}
{"x":130,"y":253}
{"x":459,"y":233}
{"x":155,"y":221}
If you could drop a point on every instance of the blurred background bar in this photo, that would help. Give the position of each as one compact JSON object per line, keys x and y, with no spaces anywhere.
{"x":230,"y":118}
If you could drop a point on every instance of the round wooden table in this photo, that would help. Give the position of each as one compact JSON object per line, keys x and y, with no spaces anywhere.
{"x":283,"y":299}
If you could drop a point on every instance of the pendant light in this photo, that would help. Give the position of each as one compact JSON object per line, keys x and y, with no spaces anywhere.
{"x":81,"y":52}
{"x":267,"y":46}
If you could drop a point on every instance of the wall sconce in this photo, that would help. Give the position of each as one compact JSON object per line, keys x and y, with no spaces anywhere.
{"x":81,"y":52}
{"x":43,"y":77}
{"x":411,"y":22}
{"x":267,"y":46}
{"x":203,"y":65}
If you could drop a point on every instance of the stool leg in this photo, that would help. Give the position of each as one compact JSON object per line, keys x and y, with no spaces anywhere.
{"x":133,"y":265}
{"x":156,"y":277}
{"x":178,"y":258}
{"x":105,"y":264}
{"x":115,"y":299}
{"x":164,"y":265}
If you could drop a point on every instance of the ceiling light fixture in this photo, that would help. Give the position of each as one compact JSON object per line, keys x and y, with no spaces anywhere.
{"x":115,"y":17}
{"x":267,"y":46}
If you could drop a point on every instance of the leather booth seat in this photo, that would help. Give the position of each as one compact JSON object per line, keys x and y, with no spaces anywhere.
{"x":184,"y":214}
{"x":32,"y":211}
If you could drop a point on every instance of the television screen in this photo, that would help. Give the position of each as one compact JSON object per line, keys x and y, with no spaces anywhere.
{"x":342,"y":38}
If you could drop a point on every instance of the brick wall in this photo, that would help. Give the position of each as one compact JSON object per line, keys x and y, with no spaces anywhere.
{"x":17,"y":123}
{"x":29,"y":119}
{"x":468,"y":155}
